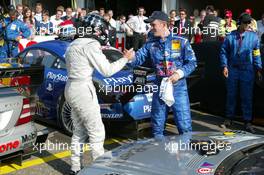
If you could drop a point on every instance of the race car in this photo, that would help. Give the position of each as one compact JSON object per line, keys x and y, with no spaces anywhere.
{"x":117,"y":98}
{"x":18,"y":133}
{"x":228,"y":153}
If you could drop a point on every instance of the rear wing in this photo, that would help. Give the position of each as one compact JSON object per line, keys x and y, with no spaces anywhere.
{"x":25,"y":80}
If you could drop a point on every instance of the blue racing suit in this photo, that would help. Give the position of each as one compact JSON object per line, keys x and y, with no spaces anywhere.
{"x":241,"y":55}
{"x":12,"y":31}
{"x":175,"y":53}
{"x":3,"y":53}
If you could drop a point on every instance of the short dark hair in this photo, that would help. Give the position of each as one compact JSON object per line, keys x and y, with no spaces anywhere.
{"x":59,"y":10}
{"x":45,"y":12}
{"x":183,"y":10}
{"x":60,"y":7}
{"x":141,"y":7}
{"x":19,"y":5}
{"x":173,"y":11}
{"x":122,"y":16}
{"x":39,"y":4}
{"x":69,"y":8}
{"x":12,"y":12}
{"x":210,"y":8}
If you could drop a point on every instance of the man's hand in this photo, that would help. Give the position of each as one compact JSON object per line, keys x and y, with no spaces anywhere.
{"x":174,"y":77}
{"x":18,"y":38}
{"x":259,"y":75}
{"x":225,"y":72}
{"x":129,"y":54}
{"x":3,"y":24}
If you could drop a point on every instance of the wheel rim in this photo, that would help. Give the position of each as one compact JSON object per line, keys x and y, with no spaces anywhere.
{"x":66,"y":117}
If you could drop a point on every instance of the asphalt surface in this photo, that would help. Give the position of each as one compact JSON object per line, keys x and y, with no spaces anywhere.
{"x":55,"y":158}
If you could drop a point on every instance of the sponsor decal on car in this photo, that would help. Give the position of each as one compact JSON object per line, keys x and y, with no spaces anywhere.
{"x":9,"y":146}
{"x":205,"y":170}
{"x":206,"y":164}
{"x":41,"y":109}
{"x":27,"y":138}
{"x":49,"y":87}
{"x":57,"y":77}
{"x":5,"y":65}
{"x":149,"y":97}
{"x":119,"y":80}
{"x":147,"y":108}
{"x":138,"y":98}
{"x":112,"y":115}
{"x":106,"y":106}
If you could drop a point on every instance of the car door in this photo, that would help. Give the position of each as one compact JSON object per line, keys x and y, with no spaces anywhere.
{"x":55,"y":77}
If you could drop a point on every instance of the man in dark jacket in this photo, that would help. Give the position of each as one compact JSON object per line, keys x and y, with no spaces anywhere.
{"x":183,"y":27}
{"x":210,"y":25}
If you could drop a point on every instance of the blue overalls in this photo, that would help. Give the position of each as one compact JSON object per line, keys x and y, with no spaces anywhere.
{"x":241,"y":55}
{"x":166,"y":57}
{"x":13,"y":30}
{"x":3,"y":53}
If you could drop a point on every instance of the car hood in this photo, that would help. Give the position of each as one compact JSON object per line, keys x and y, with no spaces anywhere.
{"x":170,"y":156}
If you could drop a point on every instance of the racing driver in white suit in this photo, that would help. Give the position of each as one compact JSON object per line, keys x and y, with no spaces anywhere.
{"x":82,"y":57}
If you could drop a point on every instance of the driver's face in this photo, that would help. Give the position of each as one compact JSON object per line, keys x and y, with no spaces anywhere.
{"x":158,"y":28}
{"x":12,"y":17}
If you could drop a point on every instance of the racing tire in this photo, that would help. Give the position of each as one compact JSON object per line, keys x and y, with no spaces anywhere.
{"x":64,"y":116}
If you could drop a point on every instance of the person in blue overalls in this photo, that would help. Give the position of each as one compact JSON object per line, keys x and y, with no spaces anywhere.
{"x":14,"y":31}
{"x":240,"y":60}
{"x":172,"y":57}
{"x":3,"y":54}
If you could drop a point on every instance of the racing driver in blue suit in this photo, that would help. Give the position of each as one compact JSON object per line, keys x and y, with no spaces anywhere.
{"x":172,"y":57}
{"x":240,"y":60}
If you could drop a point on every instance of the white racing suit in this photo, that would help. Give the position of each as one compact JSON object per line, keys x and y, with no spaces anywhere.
{"x":82,"y":57}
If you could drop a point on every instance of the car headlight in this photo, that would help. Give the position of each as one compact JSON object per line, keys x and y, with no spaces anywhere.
{"x":5,"y":117}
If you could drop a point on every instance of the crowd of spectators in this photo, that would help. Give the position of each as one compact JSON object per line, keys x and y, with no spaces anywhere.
{"x":203,"y":25}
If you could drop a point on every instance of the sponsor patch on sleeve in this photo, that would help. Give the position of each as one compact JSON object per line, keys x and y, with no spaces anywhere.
{"x":256,"y":52}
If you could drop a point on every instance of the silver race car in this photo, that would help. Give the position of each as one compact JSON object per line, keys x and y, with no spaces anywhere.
{"x":17,"y":130}
{"x":228,"y":153}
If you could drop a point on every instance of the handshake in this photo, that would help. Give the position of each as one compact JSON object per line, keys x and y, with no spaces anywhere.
{"x":129,"y":54}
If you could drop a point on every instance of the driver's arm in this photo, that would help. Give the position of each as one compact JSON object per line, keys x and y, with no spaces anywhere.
{"x":99,"y":61}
